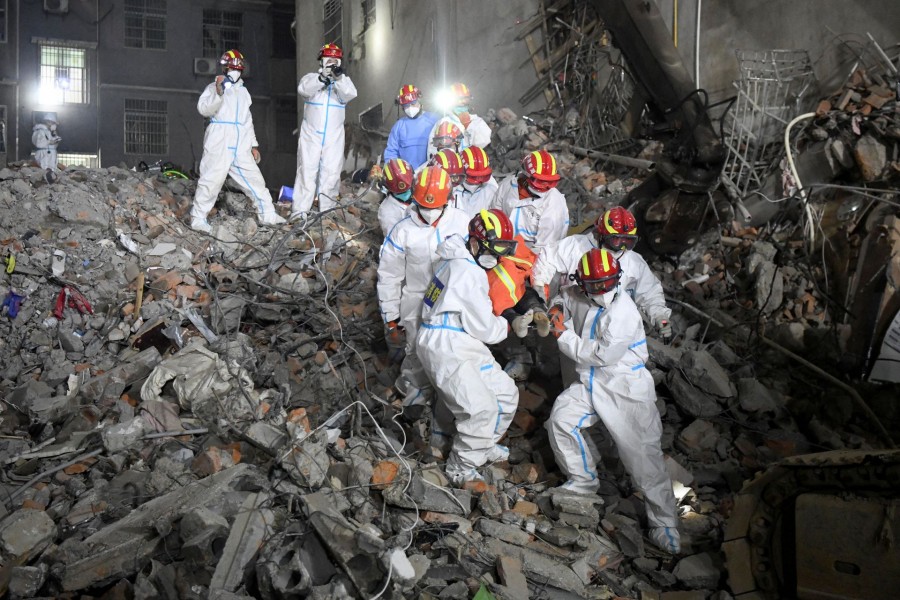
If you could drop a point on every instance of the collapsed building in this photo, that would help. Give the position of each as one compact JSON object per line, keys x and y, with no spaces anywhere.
{"x":192,"y":416}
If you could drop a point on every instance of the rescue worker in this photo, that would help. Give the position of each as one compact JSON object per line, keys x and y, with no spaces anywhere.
{"x":320,"y":147}
{"x":615,"y":230}
{"x":449,"y":161}
{"x":538,"y":210}
{"x":46,"y":142}
{"x":406,"y":265}
{"x":446,"y":135}
{"x":600,"y":328}
{"x":540,"y":215}
{"x":397,"y":179}
{"x":477,"y":400}
{"x":476,"y":130}
{"x":410,"y":134}
{"x":479,"y":187}
{"x":229,"y":146}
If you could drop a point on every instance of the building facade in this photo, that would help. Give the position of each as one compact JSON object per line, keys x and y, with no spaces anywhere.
{"x":123,"y":77}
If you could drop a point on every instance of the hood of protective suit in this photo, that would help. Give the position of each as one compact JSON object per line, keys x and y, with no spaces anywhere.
{"x":454,"y":247}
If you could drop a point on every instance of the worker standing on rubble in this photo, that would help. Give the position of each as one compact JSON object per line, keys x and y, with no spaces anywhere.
{"x":479,"y":187}
{"x":478,"y":399}
{"x":410,"y":134}
{"x":600,"y":328}
{"x":540,"y":215}
{"x":397,"y":181}
{"x":405,"y":267}
{"x":229,"y":146}
{"x":46,"y":142}
{"x":320,"y":145}
{"x":615,"y":230}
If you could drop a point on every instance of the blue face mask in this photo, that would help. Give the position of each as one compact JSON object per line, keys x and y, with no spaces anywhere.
{"x":404,"y":197}
{"x":461,"y":109}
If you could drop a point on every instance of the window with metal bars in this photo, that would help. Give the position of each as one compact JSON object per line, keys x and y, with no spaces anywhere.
{"x":145,"y":24}
{"x":146,"y":127}
{"x":334,"y":22}
{"x":79,"y":159}
{"x":221,"y":32}
{"x":4,"y":12}
{"x":368,"y":13}
{"x":64,"y":75}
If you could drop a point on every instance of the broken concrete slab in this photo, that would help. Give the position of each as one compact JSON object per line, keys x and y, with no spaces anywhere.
{"x":251,"y":526}
{"x":699,"y":571}
{"x":108,"y":387}
{"x":26,"y":533}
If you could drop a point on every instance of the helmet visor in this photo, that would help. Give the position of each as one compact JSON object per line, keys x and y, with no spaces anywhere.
{"x":498,"y":247}
{"x":597,"y":287}
{"x":620,"y":241}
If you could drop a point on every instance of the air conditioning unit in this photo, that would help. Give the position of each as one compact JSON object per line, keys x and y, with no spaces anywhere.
{"x":56,"y":7}
{"x":206,"y":66}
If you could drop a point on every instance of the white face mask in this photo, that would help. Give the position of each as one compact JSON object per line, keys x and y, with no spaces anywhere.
{"x":330,"y":62}
{"x":535,"y":192}
{"x":411,"y":111}
{"x":430,"y":215}
{"x":604,"y":300}
{"x":234,"y":76}
{"x":487,"y":261}
{"x":471,"y":187}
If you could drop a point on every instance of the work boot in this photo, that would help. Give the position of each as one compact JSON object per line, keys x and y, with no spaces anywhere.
{"x":519,"y":371}
{"x":297,"y":217}
{"x":272,"y":218}
{"x":585,"y":488}
{"x":201,"y":225}
{"x":496,"y":454}
{"x":459,"y":475}
{"x":666,"y":539}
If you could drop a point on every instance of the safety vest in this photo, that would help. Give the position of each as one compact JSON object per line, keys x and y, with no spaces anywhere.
{"x":506,"y":281}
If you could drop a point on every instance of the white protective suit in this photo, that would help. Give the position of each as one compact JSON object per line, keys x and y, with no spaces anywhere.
{"x":45,"y":144}
{"x":390,"y":211}
{"x":432,"y":149}
{"x":320,"y":147}
{"x":405,"y":267}
{"x":473,"y":199}
{"x":637,"y":278}
{"x":610,"y":349}
{"x":541,"y":221}
{"x":457,"y":323}
{"x":227,"y":146}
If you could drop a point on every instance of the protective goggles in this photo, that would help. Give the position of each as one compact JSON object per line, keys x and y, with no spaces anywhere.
{"x":497,"y":247}
{"x":621,"y":241}
{"x":541,"y":185}
{"x":598,"y":287}
{"x":457,"y":179}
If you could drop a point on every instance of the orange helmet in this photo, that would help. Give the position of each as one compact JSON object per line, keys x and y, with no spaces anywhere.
{"x":617,"y":229}
{"x":475,"y":162}
{"x":598,"y":272}
{"x":461,"y":94}
{"x":398,"y":176}
{"x":432,"y":187}
{"x":491,"y":232}
{"x":330,"y":51}
{"x":232,"y":60}
{"x":408,"y":94}
{"x":540,"y":170}
{"x":448,"y":135}
{"x":449,"y":160}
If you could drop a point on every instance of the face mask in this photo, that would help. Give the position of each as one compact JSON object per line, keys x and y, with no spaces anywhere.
{"x":604,"y":300}
{"x":430,"y":215}
{"x":411,"y":111}
{"x":487,"y":261}
{"x":471,"y":187}
{"x":403,"y":197}
{"x":233,"y":76}
{"x":53,"y":128}
{"x":330,"y":62}
{"x":461,"y":109}
{"x":535,"y":193}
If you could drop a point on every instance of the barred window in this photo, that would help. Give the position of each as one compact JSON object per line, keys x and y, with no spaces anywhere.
{"x":221,"y":32}
{"x":334,"y":22}
{"x":145,"y":24}
{"x":146,"y":127}
{"x":64,"y":76}
{"x":79,"y":159}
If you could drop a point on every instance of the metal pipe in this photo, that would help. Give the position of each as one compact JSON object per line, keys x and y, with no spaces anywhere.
{"x":697,"y":45}
{"x":625,"y":161}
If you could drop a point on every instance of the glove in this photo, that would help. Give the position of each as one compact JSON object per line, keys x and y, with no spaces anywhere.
{"x":220,"y":84}
{"x":541,"y":323}
{"x":394,"y":335}
{"x":556,"y":321}
{"x":337,"y":71}
{"x":520,"y":324}
{"x":375,"y":173}
{"x":664,"y":328}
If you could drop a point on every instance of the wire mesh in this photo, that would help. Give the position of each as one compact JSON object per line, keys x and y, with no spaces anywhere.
{"x":772,"y":90}
{"x":221,"y":32}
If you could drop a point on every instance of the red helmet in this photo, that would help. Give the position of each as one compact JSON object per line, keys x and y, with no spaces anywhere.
{"x":448,"y":135}
{"x":540,"y":170}
{"x":330,"y":51}
{"x":449,"y":160}
{"x":232,"y":60}
{"x":617,"y":229}
{"x":398,"y":176}
{"x":461,"y":94}
{"x":491,"y":231}
{"x":598,"y":272}
{"x":408,"y":94}
{"x":432,"y":187}
{"x":476,"y":163}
